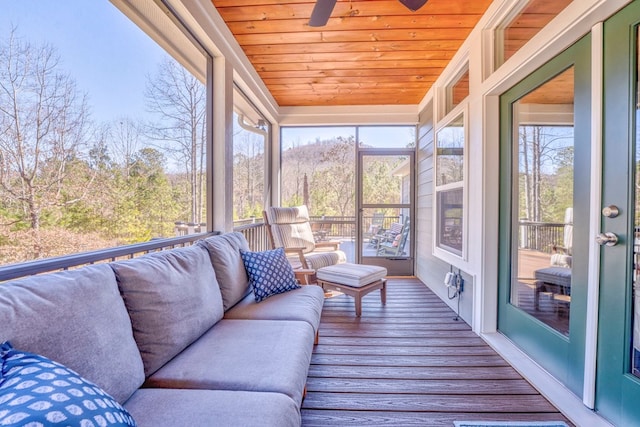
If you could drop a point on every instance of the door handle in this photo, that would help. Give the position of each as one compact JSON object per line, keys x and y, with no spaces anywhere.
{"x":607,"y":239}
{"x":611,"y":211}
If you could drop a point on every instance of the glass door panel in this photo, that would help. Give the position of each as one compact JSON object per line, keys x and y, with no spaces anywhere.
{"x":545,"y":169}
{"x":543,"y":189}
{"x":634,"y":262}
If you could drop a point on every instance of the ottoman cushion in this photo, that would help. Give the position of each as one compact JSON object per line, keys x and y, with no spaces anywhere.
{"x":560,"y":276}
{"x":354,"y":275}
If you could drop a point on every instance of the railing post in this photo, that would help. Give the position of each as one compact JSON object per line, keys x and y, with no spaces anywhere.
{"x":180,"y":228}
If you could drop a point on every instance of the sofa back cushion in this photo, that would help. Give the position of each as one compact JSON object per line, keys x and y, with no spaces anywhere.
{"x":224,"y":251}
{"x":76,"y":318}
{"x":172,"y":298}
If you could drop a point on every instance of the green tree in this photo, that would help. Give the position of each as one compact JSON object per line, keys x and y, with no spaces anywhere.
{"x":379,"y":183}
{"x":152,"y":204}
{"x":333,"y":184}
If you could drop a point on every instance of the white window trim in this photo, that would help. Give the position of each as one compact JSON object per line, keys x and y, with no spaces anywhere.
{"x":453,"y":75}
{"x":500,"y":22}
{"x":452,"y":258}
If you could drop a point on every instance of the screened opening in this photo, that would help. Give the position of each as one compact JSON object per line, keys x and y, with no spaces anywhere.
{"x":107,"y":143}
{"x":250,"y":138}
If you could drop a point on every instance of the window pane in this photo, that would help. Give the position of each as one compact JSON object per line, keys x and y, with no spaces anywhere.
{"x":516,"y":31}
{"x":318,"y":170}
{"x":450,"y":207}
{"x":386,"y":136}
{"x":457,"y":92}
{"x":543,"y":225}
{"x":117,"y":155}
{"x":450,"y":153}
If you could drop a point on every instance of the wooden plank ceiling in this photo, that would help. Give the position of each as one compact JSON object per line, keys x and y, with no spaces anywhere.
{"x":370,"y":52}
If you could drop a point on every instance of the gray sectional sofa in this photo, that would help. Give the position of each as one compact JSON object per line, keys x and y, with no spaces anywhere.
{"x":176,"y":336}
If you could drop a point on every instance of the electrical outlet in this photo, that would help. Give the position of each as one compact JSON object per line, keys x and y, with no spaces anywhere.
{"x":459,"y":283}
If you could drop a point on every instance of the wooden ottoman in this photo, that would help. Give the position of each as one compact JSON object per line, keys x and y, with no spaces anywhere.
{"x":355,"y":280}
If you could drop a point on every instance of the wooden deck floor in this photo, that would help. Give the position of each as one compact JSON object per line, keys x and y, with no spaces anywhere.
{"x":409,"y":363}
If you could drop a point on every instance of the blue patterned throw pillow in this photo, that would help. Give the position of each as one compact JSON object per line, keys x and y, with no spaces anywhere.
{"x":37,"y":392}
{"x":269,"y":273}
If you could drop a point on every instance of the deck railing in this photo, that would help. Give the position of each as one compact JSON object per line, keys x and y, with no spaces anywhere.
{"x":344,"y":226}
{"x":14,"y":271}
{"x":541,"y":236}
{"x":331,"y":227}
{"x":255,"y":232}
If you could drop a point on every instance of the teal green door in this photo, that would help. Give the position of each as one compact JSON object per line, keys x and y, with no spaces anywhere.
{"x":618,"y":362}
{"x":544,"y":213}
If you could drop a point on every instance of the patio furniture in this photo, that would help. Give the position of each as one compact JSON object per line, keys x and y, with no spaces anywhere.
{"x":384,"y":235}
{"x":375,"y":228}
{"x":355,"y":280}
{"x":184,"y":322}
{"x":393,"y":244}
{"x":290,"y":228}
{"x":556,"y":279}
{"x":320,"y":231}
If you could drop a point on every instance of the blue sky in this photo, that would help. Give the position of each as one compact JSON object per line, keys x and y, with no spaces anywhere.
{"x":107,"y":55}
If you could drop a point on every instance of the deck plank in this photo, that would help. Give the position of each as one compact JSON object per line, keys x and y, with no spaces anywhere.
{"x":462,"y":386}
{"x":321,"y":418}
{"x":410,"y":363}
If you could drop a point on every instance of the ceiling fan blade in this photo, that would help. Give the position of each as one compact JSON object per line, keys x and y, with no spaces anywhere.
{"x":321,"y":13}
{"x":413,"y":5}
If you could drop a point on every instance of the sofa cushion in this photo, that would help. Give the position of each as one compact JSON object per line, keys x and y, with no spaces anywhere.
{"x":172,"y":298}
{"x":269,"y":273}
{"x":76,"y":318}
{"x":224,"y":251}
{"x":560,"y":276}
{"x":36,"y":391}
{"x":249,"y":355}
{"x":157,"y":408}
{"x":303,"y":304}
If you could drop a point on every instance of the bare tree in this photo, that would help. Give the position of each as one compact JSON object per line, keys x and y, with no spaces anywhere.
{"x":248,"y":171}
{"x":541,"y":154}
{"x":179,"y":100}
{"x":43,"y":124}
{"x":125,"y":141}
